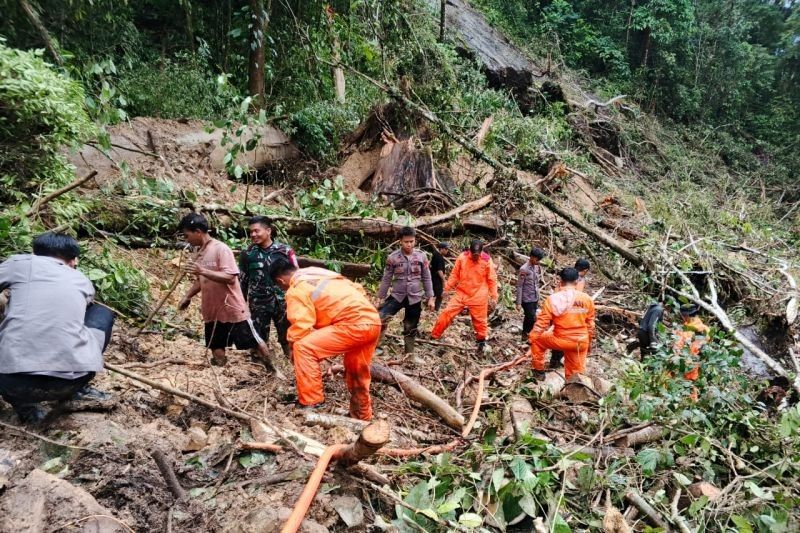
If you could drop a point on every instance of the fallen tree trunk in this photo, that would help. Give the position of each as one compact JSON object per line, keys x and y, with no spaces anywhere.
{"x":418,"y":393}
{"x":348,"y":270}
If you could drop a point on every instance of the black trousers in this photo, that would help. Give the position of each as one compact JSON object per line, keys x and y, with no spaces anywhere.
{"x":438,"y":293}
{"x":529,"y":311}
{"x":262,"y":318}
{"x":23,"y":390}
{"x":411,"y":319}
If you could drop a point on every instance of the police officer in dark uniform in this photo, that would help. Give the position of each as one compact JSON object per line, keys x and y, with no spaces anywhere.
{"x":266,"y":300}
{"x":408,"y":274}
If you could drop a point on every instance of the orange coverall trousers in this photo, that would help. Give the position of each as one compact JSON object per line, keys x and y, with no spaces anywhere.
{"x":479,"y":313}
{"x":357,"y":342}
{"x":575,"y":351}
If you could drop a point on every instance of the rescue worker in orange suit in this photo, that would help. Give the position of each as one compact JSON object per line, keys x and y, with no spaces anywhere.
{"x":474,"y":280}
{"x":571,"y":313}
{"x":694,"y":333}
{"x":582,"y":266}
{"x":329,"y":315}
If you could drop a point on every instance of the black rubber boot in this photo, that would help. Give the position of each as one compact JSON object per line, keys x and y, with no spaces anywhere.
{"x":556,"y":359}
{"x":30,"y":413}
{"x":538,"y":375}
{"x":481,"y":347}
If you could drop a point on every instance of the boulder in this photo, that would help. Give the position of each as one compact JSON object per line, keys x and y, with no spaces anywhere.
{"x":42,"y":502}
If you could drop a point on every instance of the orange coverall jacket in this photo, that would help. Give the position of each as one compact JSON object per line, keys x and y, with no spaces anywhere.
{"x":571,"y":313}
{"x":475,"y":282}
{"x":330,"y":315}
{"x":696,"y":333}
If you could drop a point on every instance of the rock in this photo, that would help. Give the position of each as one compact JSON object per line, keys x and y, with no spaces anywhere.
{"x":273,"y":146}
{"x":42,"y":502}
{"x":271,"y":520}
{"x":517,"y":417}
{"x":704,"y":488}
{"x":349,"y":509}
{"x":8,"y":462}
{"x":197,"y":439}
{"x":96,"y":429}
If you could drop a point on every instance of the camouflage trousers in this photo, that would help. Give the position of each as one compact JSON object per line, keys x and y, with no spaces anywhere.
{"x":272,"y":313}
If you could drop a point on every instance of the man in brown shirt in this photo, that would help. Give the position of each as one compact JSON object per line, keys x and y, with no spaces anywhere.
{"x":224,"y":311}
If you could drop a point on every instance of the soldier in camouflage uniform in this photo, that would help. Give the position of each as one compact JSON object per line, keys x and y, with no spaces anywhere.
{"x":266,"y":300}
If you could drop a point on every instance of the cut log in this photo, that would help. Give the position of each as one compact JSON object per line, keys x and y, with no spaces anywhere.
{"x":331,"y":421}
{"x":579,"y":389}
{"x":517,"y":417}
{"x":418,"y":393}
{"x":704,"y":488}
{"x":373,"y":437}
{"x":403,"y":168}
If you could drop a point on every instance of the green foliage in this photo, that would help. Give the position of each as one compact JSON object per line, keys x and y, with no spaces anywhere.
{"x":41,"y":112}
{"x":119,"y":284}
{"x":195,"y":90}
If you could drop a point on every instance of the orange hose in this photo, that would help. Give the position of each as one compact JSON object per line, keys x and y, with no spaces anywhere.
{"x":292,"y":525}
{"x":479,"y":397}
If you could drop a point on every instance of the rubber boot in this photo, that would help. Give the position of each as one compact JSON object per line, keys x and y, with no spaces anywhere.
{"x":556,"y":359}
{"x":538,"y":375}
{"x":286,"y":350}
{"x":30,"y":413}
{"x":481,"y":347}
{"x":409,"y":342}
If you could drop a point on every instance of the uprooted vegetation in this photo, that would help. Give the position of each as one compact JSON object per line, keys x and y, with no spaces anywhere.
{"x":533,"y":159}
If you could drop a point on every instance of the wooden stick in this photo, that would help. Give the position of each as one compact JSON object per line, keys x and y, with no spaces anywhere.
{"x":260,"y":446}
{"x":38,"y":204}
{"x":241,"y":415}
{"x":481,"y":380}
{"x":418,"y":393}
{"x":179,"y":275}
{"x":646,"y":509}
{"x":169,"y":475}
{"x":24,"y":431}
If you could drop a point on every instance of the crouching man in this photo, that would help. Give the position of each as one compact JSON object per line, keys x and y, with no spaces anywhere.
{"x":329,"y":315}
{"x":52,"y":337}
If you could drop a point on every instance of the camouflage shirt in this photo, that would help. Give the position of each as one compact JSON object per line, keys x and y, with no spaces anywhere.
{"x":254,"y":263}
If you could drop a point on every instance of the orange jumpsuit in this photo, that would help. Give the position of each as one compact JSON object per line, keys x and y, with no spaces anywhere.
{"x":695,"y":333}
{"x":331,"y":315}
{"x":571,"y":313}
{"x":475,"y":282}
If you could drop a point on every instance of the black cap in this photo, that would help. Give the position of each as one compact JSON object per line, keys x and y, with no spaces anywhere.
{"x":443,"y":244}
